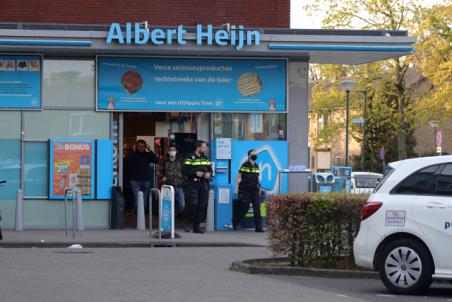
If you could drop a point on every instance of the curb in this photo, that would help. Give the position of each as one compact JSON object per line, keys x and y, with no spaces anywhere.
{"x":252,"y":267}
{"x":140,"y":244}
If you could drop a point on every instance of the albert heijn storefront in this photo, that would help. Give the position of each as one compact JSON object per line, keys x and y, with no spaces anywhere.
{"x":74,"y":101}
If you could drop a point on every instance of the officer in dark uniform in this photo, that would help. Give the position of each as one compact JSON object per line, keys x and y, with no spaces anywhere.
{"x":198,"y":171}
{"x":248,"y":190}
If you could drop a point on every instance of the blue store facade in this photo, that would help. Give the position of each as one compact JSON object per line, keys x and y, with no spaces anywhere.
{"x":79,"y":97}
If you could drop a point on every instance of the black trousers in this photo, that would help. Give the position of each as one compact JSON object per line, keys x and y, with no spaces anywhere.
{"x":247,"y":196}
{"x":198,"y":195}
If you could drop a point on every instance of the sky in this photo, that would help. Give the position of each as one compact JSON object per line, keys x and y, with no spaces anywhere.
{"x":300,"y":19}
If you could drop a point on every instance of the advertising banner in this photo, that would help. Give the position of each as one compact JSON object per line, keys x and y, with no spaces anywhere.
{"x":20,"y":82}
{"x":71,"y":162}
{"x":167,"y":84}
{"x":167,"y":210}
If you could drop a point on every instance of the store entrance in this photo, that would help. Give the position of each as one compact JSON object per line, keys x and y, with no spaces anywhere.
{"x":158,"y":130}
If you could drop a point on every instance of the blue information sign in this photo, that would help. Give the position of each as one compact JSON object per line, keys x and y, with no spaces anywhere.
{"x":164,"y":84}
{"x":20,"y":82}
{"x":167,"y":210}
{"x":272,"y":157}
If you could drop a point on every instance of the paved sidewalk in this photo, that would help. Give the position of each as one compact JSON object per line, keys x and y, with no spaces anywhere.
{"x":129,"y":238}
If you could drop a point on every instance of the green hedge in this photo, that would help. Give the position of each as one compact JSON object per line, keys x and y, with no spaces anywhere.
{"x":314,"y":226}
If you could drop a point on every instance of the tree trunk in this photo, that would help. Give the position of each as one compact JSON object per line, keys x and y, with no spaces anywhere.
{"x":401,"y":133}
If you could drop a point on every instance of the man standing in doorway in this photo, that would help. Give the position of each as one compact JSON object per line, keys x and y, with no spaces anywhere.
{"x":198,"y":171}
{"x":248,"y":190}
{"x":139,"y":163}
{"x":170,"y":172}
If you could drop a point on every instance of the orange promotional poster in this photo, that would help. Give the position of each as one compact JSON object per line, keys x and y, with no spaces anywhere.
{"x":72,"y":165}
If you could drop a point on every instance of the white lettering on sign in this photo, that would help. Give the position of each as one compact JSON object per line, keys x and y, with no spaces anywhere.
{"x":268,"y":167}
{"x":77,"y":147}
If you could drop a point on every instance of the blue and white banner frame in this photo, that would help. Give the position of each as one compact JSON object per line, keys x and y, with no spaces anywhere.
{"x":166,"y":211}
{"x":21,"y":81}
{"x":191,"y":84}
{"x":272,"y":157}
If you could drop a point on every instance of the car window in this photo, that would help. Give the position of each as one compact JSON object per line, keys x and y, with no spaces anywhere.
{"x":420,"y":182}
{"x":366,"y":181}
{"x":385,"y":177}
{"x":444,"y":182}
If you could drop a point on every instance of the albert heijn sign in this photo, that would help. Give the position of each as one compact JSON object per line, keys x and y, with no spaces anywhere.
{"x":140,"y":34}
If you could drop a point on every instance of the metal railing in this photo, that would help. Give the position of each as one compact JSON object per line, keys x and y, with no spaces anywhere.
{"x":305,"y":172}
{"x":357,"y":184}
{"x":77,"y":210}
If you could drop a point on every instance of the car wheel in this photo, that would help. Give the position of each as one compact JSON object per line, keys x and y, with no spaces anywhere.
{"x":406,"y":267}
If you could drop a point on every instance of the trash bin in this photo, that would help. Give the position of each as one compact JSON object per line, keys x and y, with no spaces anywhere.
{"x":117,"y":208}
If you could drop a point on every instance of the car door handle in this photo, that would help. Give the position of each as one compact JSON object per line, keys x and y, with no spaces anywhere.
{"x":436,"y":205}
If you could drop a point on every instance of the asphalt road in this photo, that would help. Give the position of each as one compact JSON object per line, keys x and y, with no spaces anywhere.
{"x":366,"y":290}
{"x":169,"y":274}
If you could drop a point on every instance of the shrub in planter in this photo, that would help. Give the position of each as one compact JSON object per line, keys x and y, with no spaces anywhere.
{"x":314,"y":227}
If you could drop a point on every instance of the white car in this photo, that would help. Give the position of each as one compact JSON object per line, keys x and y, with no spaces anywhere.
{"x":406,"y":226}
{"x":364,"y":182}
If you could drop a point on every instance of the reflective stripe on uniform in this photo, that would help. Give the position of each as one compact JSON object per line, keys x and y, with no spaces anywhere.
{"x":196,"y":162}
{"x":249,"y":170}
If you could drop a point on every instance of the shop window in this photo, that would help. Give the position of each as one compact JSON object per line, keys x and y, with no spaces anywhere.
{"x":42,"y":125}
{"x":69,"y":84}
{"x":9,"y":168}
{"x":250,"y":126}
{"x":36,"y":167}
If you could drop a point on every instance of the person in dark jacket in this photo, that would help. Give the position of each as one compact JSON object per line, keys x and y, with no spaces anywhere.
{"x":170,"y":172}
{"x":248,"y":189}
{"x":198,"y":170}
{"x":139,"y":164}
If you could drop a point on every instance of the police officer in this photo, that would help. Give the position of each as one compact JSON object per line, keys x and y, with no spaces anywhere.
{"x":248,"y":189}
{"x":198,"y":171}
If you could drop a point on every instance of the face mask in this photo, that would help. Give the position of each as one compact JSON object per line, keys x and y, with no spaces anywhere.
{"x":253,"y":157}
{"x":172,"y":153}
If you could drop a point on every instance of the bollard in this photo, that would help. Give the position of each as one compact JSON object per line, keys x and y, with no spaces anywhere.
{"x":65,"y":211}
{"x":210,"y":212}
{"x":80,"y":220}
{"x":74,"y":211}
{"x":140,"y":212}
{"x":19,"y":210}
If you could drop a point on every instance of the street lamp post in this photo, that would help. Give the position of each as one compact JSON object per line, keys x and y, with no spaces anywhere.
{"x":435,"y":125}
{"x":347,"y":85}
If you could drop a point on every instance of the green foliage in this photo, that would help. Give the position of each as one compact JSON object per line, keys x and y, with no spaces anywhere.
{"x":381,"y":131}
{"x":391,"y":123}
{"x":311,"y":226}
{"x":433,"y":60}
